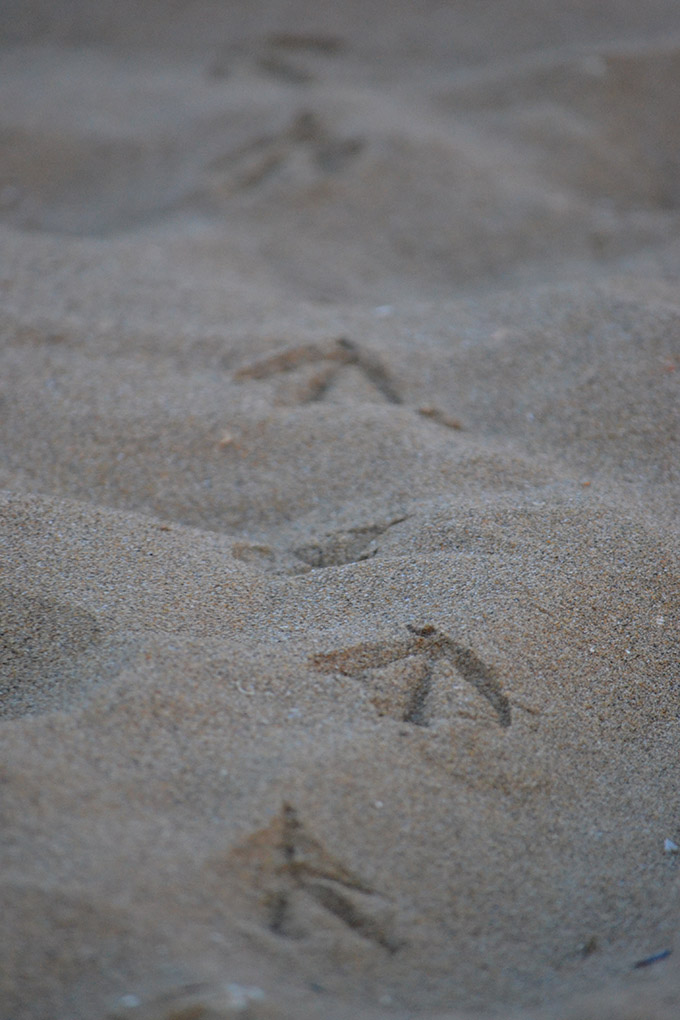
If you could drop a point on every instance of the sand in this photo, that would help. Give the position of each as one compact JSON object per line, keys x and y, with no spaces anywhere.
{"x":340,"y":574}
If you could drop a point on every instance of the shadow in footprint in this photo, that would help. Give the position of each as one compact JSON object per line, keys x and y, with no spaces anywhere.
{"x":424,"y":649}
{"x":301,"y":887}
{"x":340,"y":547}
{"x":330,"y":357}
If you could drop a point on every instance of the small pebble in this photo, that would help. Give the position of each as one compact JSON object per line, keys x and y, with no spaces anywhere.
{"x":129,"y":1001}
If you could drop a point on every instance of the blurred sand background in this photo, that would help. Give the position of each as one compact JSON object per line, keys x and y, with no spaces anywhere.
{"x":339,"y":412}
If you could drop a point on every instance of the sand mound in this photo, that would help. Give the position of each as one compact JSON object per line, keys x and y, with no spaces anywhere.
{"x":339,"y":477}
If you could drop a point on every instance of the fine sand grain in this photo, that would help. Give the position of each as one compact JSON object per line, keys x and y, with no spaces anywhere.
{"x":339,"y":475}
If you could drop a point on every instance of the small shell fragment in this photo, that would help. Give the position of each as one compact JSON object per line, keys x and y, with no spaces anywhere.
{"x":669,"y":847}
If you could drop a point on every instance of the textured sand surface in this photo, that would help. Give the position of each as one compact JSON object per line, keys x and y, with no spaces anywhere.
{"x":339,"y":471}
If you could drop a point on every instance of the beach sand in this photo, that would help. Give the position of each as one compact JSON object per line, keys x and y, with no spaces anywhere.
{"x":340,"y":573}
